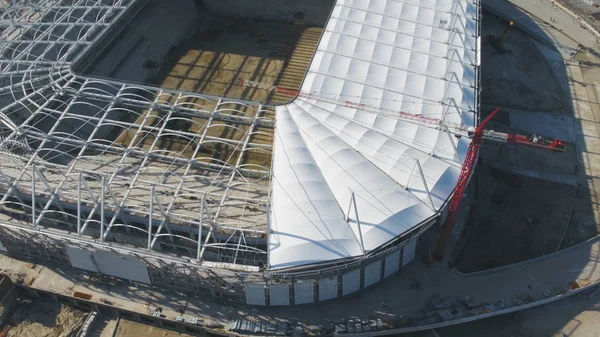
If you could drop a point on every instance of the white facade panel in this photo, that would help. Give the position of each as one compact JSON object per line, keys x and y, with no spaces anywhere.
{"x":279,"y":294}
{"x":351,"y":282}
{"x":82,"y":259}
{"x":408,"y":252}
{"x":304,"y":292}
{"x":2,"y":248}
{"x":255,"y":294}
{"x":328,"y":288}
{"x":127,"y":267}
{"x":372,"y":273}
{"x":392,"y":263}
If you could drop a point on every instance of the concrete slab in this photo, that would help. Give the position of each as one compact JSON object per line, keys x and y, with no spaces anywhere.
{"x":580,"y":73}
{"x":517,"y":79}
{"x":546,"y":13}
{"x":108,"y":330}
{"x":511,"y":219}
{"x":507,"y":12}
{"x":592,"y":144}
{"x":587,"y":128}
{"x":563,"y":179}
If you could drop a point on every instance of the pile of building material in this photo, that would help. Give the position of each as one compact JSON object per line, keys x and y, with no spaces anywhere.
{"x":45,"y":319}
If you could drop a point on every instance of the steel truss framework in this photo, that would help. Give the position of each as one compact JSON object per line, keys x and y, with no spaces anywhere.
{"x":106,"y":159}
{"x":144,"y":166}
{"x":216,"y":283}
{"x":208,"y":279}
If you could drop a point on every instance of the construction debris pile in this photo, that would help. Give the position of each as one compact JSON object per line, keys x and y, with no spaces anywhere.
{"x":42,"y":318}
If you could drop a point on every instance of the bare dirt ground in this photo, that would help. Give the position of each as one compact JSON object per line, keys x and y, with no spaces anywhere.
{"x":216,"y":61}
{"x":132,"y":329}
{"x":40,"y":318}
{"x":211,"y":151}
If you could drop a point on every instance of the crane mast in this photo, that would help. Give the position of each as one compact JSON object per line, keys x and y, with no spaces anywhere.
{"x":461,"y":185}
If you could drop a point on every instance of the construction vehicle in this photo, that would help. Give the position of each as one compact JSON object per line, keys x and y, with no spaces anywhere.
{"x":498,"y":40}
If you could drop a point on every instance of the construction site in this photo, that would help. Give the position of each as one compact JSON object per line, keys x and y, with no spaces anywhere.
{"x":199,"y":47}
{"x":510,"y":220}
{"x":190,"y":173}
{"x":227,"y":167}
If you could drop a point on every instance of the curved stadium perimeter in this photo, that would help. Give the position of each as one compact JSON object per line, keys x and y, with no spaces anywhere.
{"x":133,"y":145}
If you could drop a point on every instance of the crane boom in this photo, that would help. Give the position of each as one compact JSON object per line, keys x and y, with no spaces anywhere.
{"x":461,"y":185}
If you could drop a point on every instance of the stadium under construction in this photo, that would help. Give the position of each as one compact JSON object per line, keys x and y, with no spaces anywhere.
{"x":271,"y":152}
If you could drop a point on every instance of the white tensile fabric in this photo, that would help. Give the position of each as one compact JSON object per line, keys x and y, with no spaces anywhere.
{"x":414,"y":56}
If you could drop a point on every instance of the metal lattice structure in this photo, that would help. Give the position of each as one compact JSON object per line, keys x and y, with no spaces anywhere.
{"x":100,"y":157}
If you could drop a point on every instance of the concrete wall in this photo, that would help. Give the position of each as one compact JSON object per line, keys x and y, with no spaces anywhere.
{"x":94,"y":52}
{"x":144,"y":35}
{"x":315,"y":12}
{"x":151,"y":36}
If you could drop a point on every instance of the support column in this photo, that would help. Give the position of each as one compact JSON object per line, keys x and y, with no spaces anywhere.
{"x":425,"y":185}
{"x":102,"y":209}
{"x":79,"y":204}
{"x":362,"y":243}
{"x":33,"y":215}
{"x":151,"y":211}
{"x":199,"y":249}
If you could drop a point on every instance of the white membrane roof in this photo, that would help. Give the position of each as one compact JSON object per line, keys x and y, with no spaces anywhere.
{"x":350,"y":172}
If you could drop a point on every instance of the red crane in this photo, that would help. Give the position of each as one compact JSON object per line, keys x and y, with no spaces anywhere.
{"x":467,"y":169}
{"x":461,"y":184}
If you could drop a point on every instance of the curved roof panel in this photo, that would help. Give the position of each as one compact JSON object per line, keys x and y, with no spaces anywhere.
{"x":364,"y":154}
{"x":304,"y":202}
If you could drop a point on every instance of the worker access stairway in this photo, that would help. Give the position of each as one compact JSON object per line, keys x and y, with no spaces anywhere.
{"x":298,"y":63}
